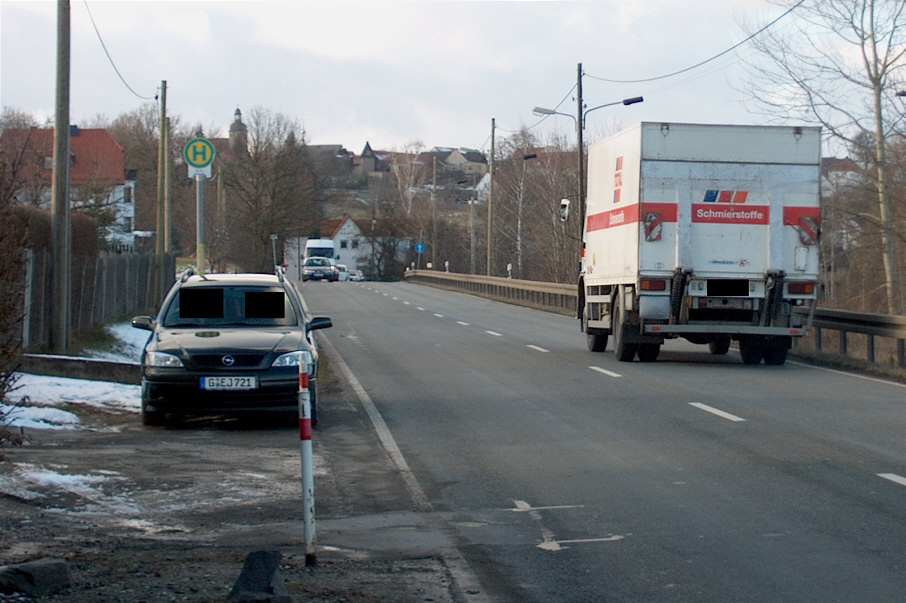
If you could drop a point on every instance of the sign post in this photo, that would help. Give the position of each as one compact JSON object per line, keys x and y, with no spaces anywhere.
{"x":199,"y":154}
{"x":308,"y":480}
{"x":419,"y":249}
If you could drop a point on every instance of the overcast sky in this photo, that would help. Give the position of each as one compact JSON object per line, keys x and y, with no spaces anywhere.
{"x":391,"y":73}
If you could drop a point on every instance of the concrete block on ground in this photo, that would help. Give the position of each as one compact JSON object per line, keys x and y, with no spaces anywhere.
{"x":40,"y":577}
{"x":260,"y":580}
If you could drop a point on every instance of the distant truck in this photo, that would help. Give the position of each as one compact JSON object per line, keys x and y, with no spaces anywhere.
{"x":320,"y":248}
{"x":297,"y":250}
{"x":706,"y":232}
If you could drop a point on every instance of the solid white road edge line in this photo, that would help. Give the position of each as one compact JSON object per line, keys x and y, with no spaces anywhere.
{"x":717,"y":412}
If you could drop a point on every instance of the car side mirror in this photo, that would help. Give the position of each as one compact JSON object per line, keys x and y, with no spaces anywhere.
{"x":143,"y":322}
{"x":564,"y":210}
{"x":319,"y":322}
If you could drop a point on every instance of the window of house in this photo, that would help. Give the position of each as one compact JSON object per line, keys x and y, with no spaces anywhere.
{"x":48,"y":162}
{"x":127,"y":194}
{"x":344,"y":244}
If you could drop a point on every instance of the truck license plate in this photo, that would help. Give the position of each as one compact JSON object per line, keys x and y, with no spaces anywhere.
{"x":229,"y":383}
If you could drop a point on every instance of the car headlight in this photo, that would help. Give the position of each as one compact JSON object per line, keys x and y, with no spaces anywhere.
{"x":162,"y":360}
{"x":291,"y":359}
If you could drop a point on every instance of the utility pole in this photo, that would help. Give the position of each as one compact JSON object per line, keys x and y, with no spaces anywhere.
{"x":491,"y":196}
{"x":60,"y":188}
{"x":168,"y":199}
{"x":160,"y":239}
{"x":580,"y":126}
{"x":434,"y":216}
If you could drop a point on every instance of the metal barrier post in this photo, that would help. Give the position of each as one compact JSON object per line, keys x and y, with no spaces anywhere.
{"x":308,"y":481}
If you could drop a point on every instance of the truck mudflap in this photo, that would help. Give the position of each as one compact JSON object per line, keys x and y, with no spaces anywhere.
{"x":726,"y":329}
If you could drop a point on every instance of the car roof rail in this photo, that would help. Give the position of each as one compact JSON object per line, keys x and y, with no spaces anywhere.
{"x":279,"y":271}
{"x":184,"y":275}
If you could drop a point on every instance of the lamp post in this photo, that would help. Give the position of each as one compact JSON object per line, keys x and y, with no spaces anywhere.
{"x":579,"y":120}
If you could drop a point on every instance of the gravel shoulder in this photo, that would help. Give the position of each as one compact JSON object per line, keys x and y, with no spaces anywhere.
{"x":171,"y":514}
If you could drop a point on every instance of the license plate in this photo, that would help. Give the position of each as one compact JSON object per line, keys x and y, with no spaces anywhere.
{"x":229,"y":383}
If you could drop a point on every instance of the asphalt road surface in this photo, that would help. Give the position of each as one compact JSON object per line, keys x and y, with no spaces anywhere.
{"x":564,"y":475}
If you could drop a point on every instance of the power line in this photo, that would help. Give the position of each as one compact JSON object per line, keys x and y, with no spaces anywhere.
{"x":706,"y":61}
{"x":109,"y":58}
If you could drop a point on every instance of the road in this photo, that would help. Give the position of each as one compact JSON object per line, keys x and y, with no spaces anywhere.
{"x":566,"y":475}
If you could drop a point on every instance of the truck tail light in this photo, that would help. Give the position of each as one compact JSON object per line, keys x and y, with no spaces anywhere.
{"x":801,"y":288}
{"x":649,"y":284}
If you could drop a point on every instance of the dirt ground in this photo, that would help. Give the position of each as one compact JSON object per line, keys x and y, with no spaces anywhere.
{"x":171,"y":514}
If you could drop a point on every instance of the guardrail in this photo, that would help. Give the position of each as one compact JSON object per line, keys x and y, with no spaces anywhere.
{"x":560,"y":298}
{"x":553,"y":297}
{"x":870,"y":325}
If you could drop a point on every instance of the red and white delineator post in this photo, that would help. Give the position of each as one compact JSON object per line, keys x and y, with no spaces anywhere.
{"x":308,"y":480}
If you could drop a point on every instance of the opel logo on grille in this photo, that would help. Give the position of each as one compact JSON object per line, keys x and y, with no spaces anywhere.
{"x":228,"y":360}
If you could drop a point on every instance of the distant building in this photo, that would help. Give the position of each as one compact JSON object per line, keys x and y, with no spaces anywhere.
{"x":352,"y":240}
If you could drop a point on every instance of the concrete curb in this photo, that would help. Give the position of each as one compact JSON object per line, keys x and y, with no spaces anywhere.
{"x":79,"y":367}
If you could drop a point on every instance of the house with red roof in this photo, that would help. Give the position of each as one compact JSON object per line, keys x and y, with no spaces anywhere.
{"x":99,"y":184}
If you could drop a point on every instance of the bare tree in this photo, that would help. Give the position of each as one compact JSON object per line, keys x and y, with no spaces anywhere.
{"x":408,"y":173}
{"x":841,"y":67}
{"x":271,"y":188}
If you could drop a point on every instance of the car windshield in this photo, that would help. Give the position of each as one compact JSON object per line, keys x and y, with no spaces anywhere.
{"x":317,"y":262}
{"x":230,"y":306}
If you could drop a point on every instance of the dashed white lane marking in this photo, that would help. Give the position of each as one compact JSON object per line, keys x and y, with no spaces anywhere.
{"x":494,"y":333}
{"x":463,"y":323}
{"x":605,"y":371}
{"x":715,"y":411}
{"x":405,"y":303}
{"x":438,"y":315}
{"x":537,"y":348}
{"x":897,"y":479}
{"x":420,"y":309}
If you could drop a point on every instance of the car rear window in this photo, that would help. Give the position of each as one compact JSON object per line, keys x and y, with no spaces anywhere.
{"x":230,"y":306}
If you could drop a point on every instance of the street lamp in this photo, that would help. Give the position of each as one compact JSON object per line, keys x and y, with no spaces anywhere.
{"x":580,"y":127}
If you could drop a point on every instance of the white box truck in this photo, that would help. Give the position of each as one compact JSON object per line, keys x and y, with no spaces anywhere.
{"x":707,"y":232}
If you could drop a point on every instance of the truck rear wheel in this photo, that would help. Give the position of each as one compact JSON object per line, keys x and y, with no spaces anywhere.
{"x":648,"y":352}
{"x":625,"y":352}
{"x":751,"y":349}
{"x":720,"y":345}
{"x":775,"y":351}
{"x":595,"y":339}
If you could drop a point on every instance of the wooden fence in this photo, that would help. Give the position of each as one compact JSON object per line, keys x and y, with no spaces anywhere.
{"x":102,"y":288}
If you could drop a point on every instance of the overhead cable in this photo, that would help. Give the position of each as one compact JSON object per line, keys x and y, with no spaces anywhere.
{"x":109,"y":58}
{"x":706,"y":61}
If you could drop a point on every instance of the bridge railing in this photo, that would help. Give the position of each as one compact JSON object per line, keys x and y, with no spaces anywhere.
{"x":561,"y":298}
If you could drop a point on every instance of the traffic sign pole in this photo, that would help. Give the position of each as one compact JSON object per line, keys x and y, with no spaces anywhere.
{"x":199,"y":154}
{"x":199,"y":220}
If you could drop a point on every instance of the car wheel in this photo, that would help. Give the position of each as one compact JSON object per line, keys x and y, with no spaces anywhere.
{"x":153,"y":418}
